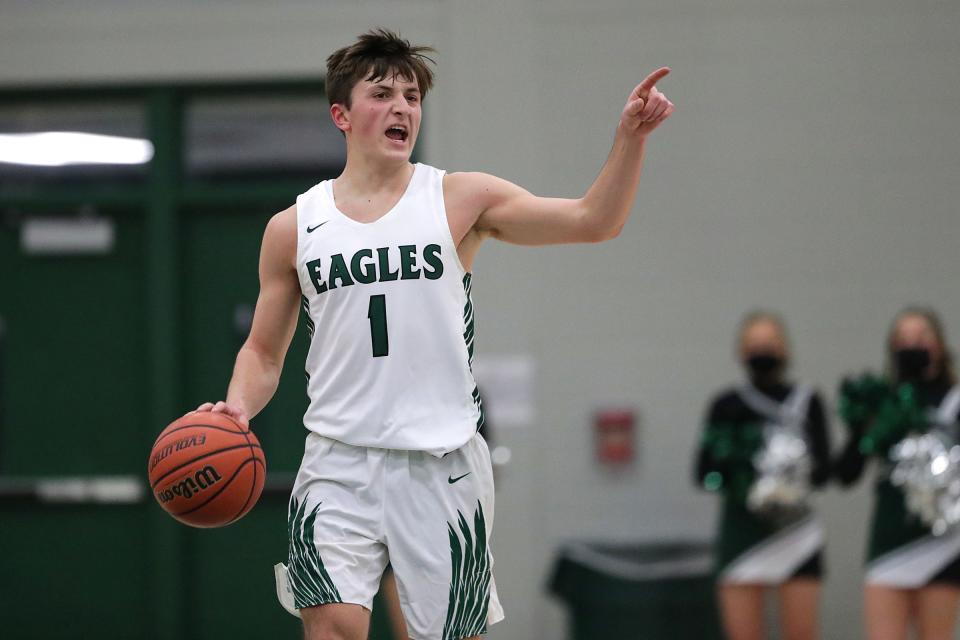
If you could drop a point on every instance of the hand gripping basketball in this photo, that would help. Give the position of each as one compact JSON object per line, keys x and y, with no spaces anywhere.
{"x":206,"y":469}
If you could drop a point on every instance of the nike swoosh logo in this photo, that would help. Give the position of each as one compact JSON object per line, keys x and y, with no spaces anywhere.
{"x":312,"y":229}
{"x":451,"y":479}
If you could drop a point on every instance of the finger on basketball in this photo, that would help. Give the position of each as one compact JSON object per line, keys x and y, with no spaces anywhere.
{"x":206,"y":406}
{"x":231,"y":411}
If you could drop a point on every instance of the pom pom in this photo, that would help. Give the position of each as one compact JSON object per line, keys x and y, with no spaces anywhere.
{"x":861,"y":397}
{"x":927,"y":469}
{"x":782,"y":486}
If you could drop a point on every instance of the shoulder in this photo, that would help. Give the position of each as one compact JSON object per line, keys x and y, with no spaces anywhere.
{"x":816,"y":398}
{"x":280,"y":237}
{"x":940,"y":391}
{"x":466,"y":196}
{"x":283,"y":223}
{"x":813,"y":395}
{"x":468,"y":184}
{"x":725,"y":401}
{"x":469,"y":195}
{"x":476,"y":185}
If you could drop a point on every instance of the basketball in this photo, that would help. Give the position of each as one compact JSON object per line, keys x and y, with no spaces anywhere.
{"x":206,"y":469}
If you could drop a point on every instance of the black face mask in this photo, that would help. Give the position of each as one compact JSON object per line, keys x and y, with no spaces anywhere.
{"x":762,"y":365}
{"x":911,"y":363}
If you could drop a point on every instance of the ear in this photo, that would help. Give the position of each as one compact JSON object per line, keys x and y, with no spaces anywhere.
{"x":340,"y":116}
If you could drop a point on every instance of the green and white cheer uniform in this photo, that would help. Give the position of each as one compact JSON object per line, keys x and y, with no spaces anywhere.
{"x":902,"y":551}
{"x":751,"y":547}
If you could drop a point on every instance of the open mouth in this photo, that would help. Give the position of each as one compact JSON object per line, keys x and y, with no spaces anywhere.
{"x":399,"y":134}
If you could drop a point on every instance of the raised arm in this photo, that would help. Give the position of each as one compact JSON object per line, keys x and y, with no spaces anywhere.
{"x":497,"y":208}
{"x":260,"y":360}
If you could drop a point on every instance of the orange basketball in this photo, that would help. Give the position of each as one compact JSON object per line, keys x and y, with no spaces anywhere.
{"x":206,"y":470}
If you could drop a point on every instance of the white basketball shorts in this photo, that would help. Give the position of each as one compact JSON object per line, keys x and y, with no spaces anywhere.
{"x":354,"y":509}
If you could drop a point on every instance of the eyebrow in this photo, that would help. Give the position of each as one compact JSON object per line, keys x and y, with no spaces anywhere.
{"x":388,"y":87}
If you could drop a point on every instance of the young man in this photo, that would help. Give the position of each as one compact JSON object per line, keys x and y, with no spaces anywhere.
{"x":380,"y":260}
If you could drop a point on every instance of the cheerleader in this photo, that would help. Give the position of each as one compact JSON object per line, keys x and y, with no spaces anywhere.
{"x":913,"y":567}
{"x":764,"y":448}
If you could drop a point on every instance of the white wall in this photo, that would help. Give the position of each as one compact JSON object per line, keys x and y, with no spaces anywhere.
{"x":812,"y":166}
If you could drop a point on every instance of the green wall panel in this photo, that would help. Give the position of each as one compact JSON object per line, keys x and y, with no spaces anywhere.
{"x":229,"y":577}
{"x":220,"y":252}
{"x":75,"y":358}
{"x":74,"y":572}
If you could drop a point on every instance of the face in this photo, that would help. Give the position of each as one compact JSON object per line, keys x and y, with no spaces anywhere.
{"x":384,"y":117}
{"x":915,"y":332}
{"x":763,"y":337}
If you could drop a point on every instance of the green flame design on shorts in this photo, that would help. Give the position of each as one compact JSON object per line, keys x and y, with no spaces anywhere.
{"x":309,"y":580}
{"x":470,"y":579}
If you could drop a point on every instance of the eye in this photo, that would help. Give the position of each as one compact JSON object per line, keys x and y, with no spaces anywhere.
{"x":413,"y":98}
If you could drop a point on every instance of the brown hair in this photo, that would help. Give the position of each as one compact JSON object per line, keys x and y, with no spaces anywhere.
{"x":374,"y":56}
{"x":932,"y":318}
{"x":763,"y":315}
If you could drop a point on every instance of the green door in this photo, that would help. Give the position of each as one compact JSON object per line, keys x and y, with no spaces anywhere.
{"x":72,"y":399}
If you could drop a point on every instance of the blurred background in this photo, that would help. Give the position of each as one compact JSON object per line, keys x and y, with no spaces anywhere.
{"x":811,"y":167}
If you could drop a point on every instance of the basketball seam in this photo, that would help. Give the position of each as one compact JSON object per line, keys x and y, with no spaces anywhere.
{"x":219,"y":491}
{"x":252,"y":486}
{"x":199,"y":424}
{"x":192,"y":460}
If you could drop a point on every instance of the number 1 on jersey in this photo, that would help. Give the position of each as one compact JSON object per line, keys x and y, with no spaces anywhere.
{"x":377,"y":312}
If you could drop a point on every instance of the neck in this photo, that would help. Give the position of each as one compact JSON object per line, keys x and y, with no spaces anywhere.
{"x":366,"y":174}
{"x":767,"y":381}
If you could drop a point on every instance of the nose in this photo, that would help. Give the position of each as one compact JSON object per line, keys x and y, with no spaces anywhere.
{"x":400,"y":104}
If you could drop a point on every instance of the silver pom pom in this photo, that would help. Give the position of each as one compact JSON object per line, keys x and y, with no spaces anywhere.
{"x":783,"y":472}
{"x":927,"y":468}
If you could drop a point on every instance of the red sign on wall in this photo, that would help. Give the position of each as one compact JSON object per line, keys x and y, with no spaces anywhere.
{"x":614,"y":429}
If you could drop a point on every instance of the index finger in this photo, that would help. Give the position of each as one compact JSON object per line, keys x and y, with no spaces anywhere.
{"x":652,"y":79}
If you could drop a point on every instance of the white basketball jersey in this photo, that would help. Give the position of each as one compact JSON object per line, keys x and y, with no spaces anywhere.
{"x":390,"y":321}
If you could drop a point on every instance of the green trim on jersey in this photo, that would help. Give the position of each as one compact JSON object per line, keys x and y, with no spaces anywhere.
{"x":470,"y":579}
{"x":305,"y":307}
{"x":468,"y":335}
{"x":311,"y":327}
{"x":468,"y":317}
{"x":309,"y":579}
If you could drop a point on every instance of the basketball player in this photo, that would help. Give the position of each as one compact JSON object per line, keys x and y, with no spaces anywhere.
{"x":380,"y":261}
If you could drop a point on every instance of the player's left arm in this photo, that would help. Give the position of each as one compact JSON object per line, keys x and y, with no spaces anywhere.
{"x":512,"y":214}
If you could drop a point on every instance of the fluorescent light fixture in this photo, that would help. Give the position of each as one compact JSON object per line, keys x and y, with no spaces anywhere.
{"x":104,"y":490}
{"x":61,"y":148}
{"x":67,"y":236}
